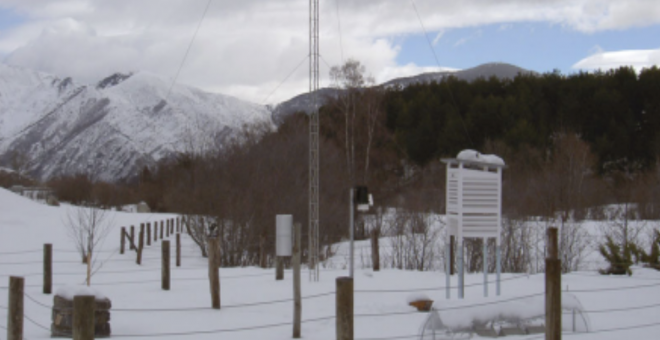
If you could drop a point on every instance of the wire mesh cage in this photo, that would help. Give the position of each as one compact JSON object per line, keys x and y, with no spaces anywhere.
{"x":518,"y":317}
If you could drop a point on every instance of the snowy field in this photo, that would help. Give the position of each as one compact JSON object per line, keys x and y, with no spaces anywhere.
{"x":255,"y":306}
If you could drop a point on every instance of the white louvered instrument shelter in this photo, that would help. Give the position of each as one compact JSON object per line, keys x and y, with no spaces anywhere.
{"x":474,"y":198}
{"x":474,"y":210}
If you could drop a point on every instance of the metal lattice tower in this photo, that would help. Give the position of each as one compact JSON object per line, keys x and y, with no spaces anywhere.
{"x":314,"y":141}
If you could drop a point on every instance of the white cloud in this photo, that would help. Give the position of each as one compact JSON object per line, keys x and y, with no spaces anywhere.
{"x":638,"y":59}
{"x":438,"y":37}
{"x":245,"y":48}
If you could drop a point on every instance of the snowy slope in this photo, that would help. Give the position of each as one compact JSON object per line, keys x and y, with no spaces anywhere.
{"x":113,"y":128}
{"x":255,"y":306}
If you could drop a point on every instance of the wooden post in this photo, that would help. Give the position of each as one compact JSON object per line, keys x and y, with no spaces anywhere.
{"x":122,"y":241}
{"x":262,"y":251}
{"x":552,"y":288}
{"x":148,"y":234}
{"x":15,"y":308}
{"x":171,"y":226}
{"x":48,"y":268}
{"x":178,"y":250}
{"x":161,"y":229}
{"x":165,"y":266}
{"x":89,"y":269}
{"x":178,"y":225}
{"x":167,"y":229}
{"x":344,"y":302}
{"x":452,"y":258}
{"x":375,"y":252}
{"x":83,"y":317}
{"x":155,"y":231}
{"x":279,"y":268}
{"x":297,"y":300}
{"x":132,"y":238}
{"x":214,"y":273}
{"x":140,"y":245}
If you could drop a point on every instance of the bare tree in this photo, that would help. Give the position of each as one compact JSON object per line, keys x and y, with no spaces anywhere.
{"x":88,"y":227}
{"x":360,"y":105}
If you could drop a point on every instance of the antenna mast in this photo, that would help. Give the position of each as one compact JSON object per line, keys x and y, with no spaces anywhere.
{"x":314,"y":141}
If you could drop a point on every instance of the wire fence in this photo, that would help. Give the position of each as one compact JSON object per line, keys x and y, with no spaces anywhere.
{"x":358,"y":315}
{"x":34,"y":321}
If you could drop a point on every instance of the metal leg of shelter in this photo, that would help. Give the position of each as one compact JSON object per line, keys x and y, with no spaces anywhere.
{"x":485,"y":256}
{"x":498,"y":255}
{"x":460,"y":270}
{"x":447,"y":270}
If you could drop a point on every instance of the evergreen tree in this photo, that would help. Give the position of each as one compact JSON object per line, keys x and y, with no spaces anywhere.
{"x":620,"y":261}
{"x":652,"y":258}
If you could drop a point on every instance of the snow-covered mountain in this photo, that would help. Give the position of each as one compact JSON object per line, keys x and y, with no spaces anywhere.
{"x":111,"y":129}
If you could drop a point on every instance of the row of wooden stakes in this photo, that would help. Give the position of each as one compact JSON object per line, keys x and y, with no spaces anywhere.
{"x":169,"y":226}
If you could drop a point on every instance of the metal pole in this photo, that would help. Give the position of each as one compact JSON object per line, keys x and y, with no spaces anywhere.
{"x":460,"y":268}
{"x":485,"y":256}
{"x":351,"y":232}
{"x":297,"y":300}
{"x":498,"y":265}
{"x":447,"y":270}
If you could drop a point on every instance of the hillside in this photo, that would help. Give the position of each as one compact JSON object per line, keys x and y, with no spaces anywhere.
{"x":111,"y":129}
{"x":303,"y":102}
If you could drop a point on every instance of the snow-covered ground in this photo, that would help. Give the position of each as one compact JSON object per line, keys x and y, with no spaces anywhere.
{"x":255,"y":306}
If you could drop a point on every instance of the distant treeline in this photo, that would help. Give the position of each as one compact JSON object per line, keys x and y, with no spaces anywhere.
{"x":616,"y":112}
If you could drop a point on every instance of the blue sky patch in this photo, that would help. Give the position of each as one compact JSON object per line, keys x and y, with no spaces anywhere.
{"x":541,"y":47}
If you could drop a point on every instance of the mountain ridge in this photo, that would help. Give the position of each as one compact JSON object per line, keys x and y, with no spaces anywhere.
{"x":303,"y":102}
{"x":113,"y":128}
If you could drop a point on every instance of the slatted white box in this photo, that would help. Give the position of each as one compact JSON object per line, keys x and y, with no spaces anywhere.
{"x":474,"y":199}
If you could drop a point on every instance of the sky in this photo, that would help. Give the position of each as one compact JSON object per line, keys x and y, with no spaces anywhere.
{"x":257,"y":50}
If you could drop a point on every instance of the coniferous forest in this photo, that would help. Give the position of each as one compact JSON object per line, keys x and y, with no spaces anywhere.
{"x":617,"y":113}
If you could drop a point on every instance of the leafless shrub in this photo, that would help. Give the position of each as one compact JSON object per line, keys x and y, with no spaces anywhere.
{"x":88,"y":228}
{"x":414,"y":240}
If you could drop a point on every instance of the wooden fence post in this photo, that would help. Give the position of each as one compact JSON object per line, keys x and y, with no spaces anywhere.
{"x":375,"y":252}
{"x":262,"y":251}
{"x":167,"y":228}
{"x":155,"y":231}
{"x":161,"y":229}
{"x":279,"y":268}
{"x":214,"y":272}
{"x":140,"y":245}
{"x":83,"y":317}
{"x":297,"y":301}
{"x":48,"y":268}
{"x":132,"y":238}
{"x":148,"y":234}
{"x":165,"y":271}
{"x":123,"y":241}
{"x":15,"y":308}
{"x":178,"y":250}
{"x":552,"y":288}
{"x":344,"y":302}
